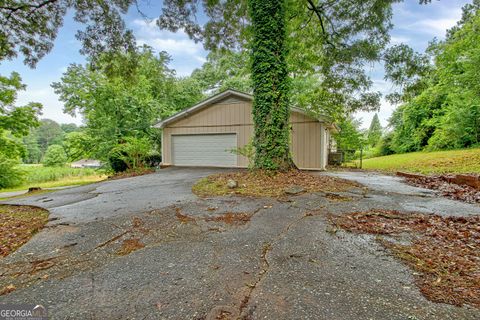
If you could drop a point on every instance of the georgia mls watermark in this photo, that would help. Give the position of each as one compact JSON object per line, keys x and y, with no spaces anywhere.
{"x":23,"y":312}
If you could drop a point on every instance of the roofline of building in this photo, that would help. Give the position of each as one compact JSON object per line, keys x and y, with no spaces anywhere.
{"x":220,"y":96}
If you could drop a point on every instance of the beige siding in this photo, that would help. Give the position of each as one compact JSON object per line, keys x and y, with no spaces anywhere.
{"x":232,"y":115}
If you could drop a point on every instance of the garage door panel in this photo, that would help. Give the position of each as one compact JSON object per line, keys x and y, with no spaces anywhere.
{"x":204,"y":149}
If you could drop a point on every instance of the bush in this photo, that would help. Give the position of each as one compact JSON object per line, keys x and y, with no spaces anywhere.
{"x":132,"y":152}
{"x":55,"y":156}
{"x":116,"y":163}
{"x":10,"y":174}
{"x":385,"y":145}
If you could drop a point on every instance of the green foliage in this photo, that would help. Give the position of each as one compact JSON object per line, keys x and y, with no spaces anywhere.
{"x":122,"y":96}
{"x":271,"y":105}
{"x":69,"y":127}
{"x":224,"y":70}
{"x":30,"y":27}
{"x":33,"y":154}
{"x":39,"y":173}
{"x":48,"y":133}
{"x":441,"y":100}
{"x":247,"y":151}
{"x":10,"y":175}
{"x":15,"y":122}
{"x":374,"y":133}
{"x":55,"y":156}
{"x":133,"y":152}
{"x":78,"y":145}
{"x":350,"y":136}
{"x":385,"y":145}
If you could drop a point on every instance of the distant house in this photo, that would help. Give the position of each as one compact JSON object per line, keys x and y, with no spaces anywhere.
{"x":86,"y":163}
{"x":205,"y":134}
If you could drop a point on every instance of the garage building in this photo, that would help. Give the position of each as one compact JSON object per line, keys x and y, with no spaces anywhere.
{"x":205,"y":134}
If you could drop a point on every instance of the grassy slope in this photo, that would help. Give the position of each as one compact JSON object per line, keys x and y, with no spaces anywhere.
{"x":454,"y":161}
{"x":49,"y":177}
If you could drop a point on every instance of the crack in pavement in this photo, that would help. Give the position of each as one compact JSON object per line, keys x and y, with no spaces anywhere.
{"x":244,"y":310}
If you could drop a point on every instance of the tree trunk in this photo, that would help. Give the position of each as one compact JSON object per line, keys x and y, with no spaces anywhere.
{"x":271,"y":84}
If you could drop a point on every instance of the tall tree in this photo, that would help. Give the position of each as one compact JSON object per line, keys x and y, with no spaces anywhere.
{"x":374,"y":133}
{"x":327,"y":45}
{"x":271,"y":110}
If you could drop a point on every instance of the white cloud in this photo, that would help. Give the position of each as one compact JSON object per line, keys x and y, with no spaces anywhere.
{"x":186,"y":54}
{"x":399,"y":40}
{"x":434,"y":27}
{"x":172,"y":46}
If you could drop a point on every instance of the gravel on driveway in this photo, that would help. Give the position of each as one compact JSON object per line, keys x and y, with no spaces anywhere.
{"x":281,"y":262}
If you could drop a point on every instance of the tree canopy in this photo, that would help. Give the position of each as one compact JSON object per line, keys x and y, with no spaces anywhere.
{"x":29,"y":27}
{"x":116,"y":103}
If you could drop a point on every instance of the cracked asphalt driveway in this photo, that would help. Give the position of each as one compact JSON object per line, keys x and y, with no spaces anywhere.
{"x":218,"y":258}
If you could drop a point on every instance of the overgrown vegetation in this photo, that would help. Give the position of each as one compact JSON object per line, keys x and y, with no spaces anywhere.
{"x":271,"y":83}
{"x":264,"y":184}
{"x":48,"y":177}
{"x":18,"y":224}
{"x":444,"y":251}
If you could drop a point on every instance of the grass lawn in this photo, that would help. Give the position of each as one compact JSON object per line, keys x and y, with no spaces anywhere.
{"x":50,"y":177}
{"x":452,"y":161}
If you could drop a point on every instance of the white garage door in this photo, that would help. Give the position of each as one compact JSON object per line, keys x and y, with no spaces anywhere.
{"x":204,"y":150}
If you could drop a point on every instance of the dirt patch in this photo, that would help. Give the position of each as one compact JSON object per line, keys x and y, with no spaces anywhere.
{"x":231,"y":218}
{"x":183,"y":218}
{"x":444,"y":251}
{"x":130,"y":245}
{"x":337,"y":198}
{"x":18,"y":224}
{"x":458,"y":187}
{"x":262,"y":184}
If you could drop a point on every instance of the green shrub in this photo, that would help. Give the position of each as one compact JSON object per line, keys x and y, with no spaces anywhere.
{"x":55,"y":156}
{"x":10,"y":174}
{"x":247,"y":151}
{"x":132,"y":152}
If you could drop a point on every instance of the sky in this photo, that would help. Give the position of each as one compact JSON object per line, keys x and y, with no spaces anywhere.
{"x":414,"y":25}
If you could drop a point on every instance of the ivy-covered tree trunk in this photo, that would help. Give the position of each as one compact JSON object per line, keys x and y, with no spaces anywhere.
{"x":271,"y":111}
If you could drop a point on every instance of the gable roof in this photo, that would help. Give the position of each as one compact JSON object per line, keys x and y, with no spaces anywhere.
{"x":215,"y":98}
